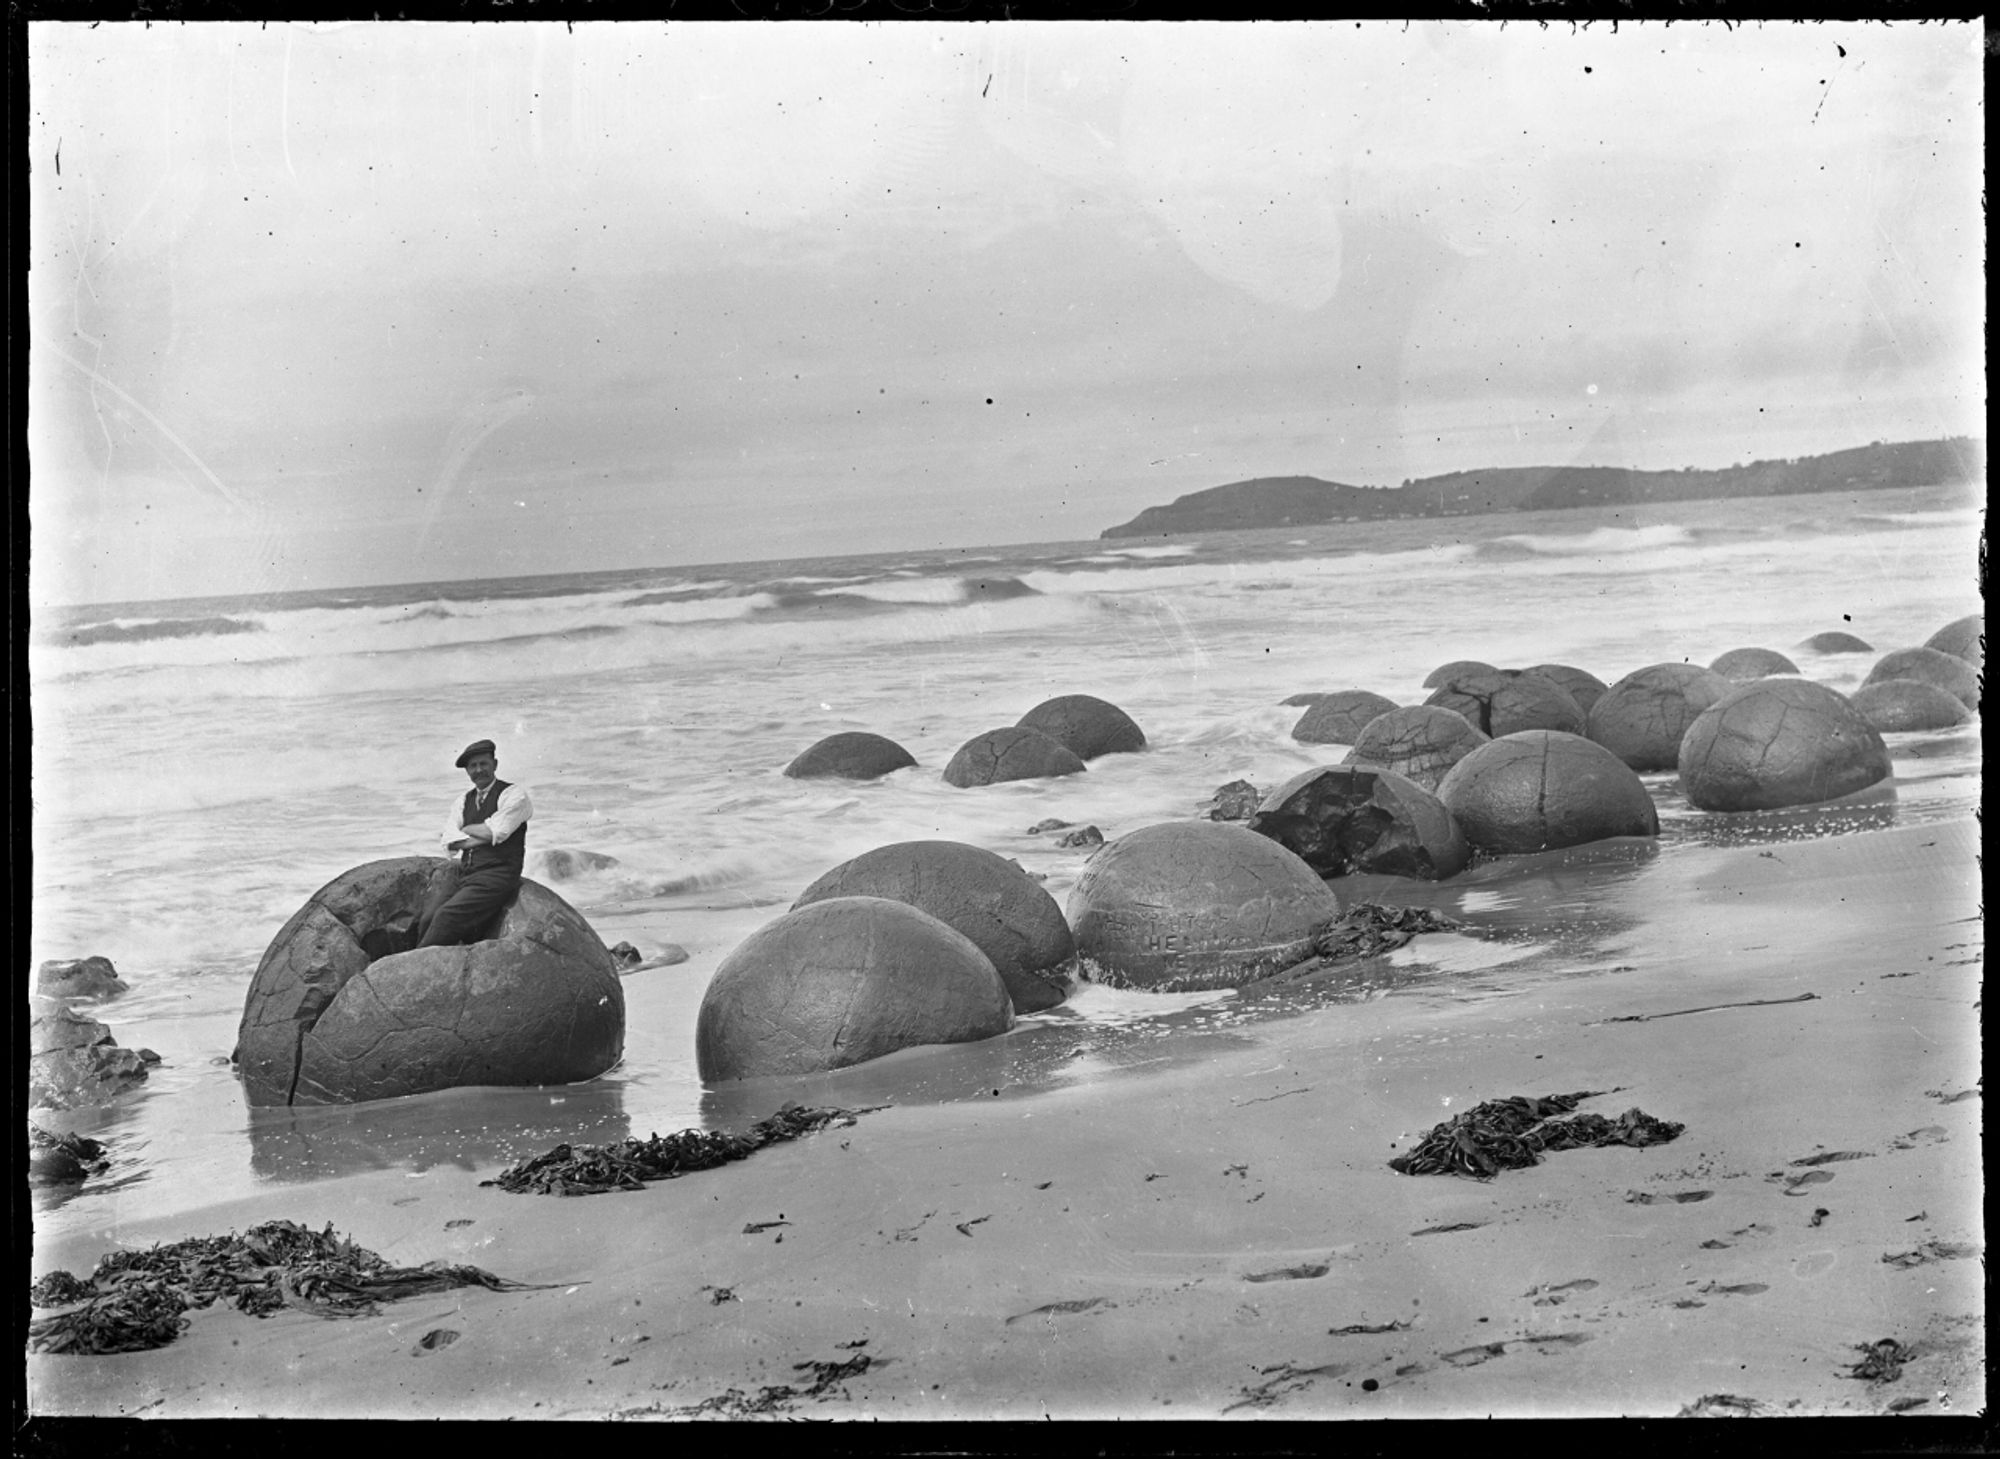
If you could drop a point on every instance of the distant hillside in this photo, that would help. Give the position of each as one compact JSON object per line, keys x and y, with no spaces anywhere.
{"x":1300,"y":501}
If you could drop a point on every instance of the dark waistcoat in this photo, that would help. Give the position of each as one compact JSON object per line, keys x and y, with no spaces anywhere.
{"x":511,"y":853}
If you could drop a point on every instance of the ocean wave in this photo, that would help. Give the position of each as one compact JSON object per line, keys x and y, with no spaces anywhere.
{"x":155,"y":629}
{"x":1600,"y":542}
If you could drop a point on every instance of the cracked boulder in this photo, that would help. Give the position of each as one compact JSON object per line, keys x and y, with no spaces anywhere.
{"x":850,"y":755}
{"x":1779,"y":742}
{"x":74,"y":1062}
{"x":343,"y":1008}
{"x":1907,"y":704}
{"x":1085,"y":726}
{"x":1420,"y":742}
{"x":1013,"y":753}
{"x":1642,"y":717}
{"x":1503,"y":703}
{"x":1196,"y":904}
{"x":1741,"y":665}
{"x":841,"y":982}
{"x":985,"y":897}
{"x":1962,"y":638}
{"x":1930,"y":666}
{"x":1540,"y":790}
{"x":82,"y":977}
{"x":1580,"y":684}
{"x":1339,"y":718}
{"x":1341,"y":819}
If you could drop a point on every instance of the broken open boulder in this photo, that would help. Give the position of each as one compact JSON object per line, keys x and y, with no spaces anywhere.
{"x":343,"y":1007}
{"x":1341,"y":819}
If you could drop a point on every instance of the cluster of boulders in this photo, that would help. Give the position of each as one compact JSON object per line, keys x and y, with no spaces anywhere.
{"x":1056,"y":737}
{"x":73,"y":1060}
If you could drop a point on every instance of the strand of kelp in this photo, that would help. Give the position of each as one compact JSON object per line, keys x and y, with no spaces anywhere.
{"x":1514,"y":1133}
{"x":135,"y":1300}
{"x":589,"y":1170}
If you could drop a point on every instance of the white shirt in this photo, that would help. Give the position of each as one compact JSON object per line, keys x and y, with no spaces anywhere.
{"x":503,"y":820}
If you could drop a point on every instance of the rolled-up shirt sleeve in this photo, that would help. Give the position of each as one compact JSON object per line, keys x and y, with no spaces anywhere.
{"x":454,"y":826}
{"x":511,"y":814}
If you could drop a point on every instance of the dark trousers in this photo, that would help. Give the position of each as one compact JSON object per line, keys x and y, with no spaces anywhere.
{"x":465,"y":904}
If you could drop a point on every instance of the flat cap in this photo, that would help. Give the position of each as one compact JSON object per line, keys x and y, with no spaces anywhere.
{"x":477,"y":747}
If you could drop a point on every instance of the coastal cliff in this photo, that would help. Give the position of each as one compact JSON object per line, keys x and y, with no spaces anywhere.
{"x":1299,"y":501}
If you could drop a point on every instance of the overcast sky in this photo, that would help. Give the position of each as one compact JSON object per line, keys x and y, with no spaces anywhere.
{"x":318,"y":305}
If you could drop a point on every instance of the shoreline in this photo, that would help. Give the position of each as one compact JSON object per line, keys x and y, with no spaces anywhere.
{"x":1178,"y":1233}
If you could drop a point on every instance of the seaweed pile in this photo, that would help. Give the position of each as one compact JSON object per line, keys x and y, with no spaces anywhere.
{"x":1513,"y":1133}
{"x":1370,"y":928}
{"x":135,"y":1300}
{"x":588,"y":1170}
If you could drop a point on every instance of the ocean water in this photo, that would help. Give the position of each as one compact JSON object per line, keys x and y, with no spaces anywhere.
{"x":201,"y":767}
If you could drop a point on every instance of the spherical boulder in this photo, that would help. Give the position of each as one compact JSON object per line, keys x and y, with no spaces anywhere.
{"x":1741,"y":665}
{"x":1085,"y":726}
{"x":1340,"y":819}
{"x":1642,"y":717}
{"x":1962,"y":638}
{"x":840,"y":982}
{"x":1540,"y":790}
{"x":1013,"y":753}
{"x":1501,"y":703}
{"x":1895,"y":705}
{"x":1456,"y":667}
{"x":1837,"y":642}
{"x":345,"y":1008}
{"x":985,"y":897}
{"x":1196,"y":904}
{"x":850,"y":755}
{"x":1338,"y":718}
{"x":1929,"y":666}
{"x":1779,"y":742}
{"x":1581,"y":685}
{"x":1419,"y":741}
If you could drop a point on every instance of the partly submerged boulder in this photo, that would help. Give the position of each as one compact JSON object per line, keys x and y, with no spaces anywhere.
{"x":1539,"y":790}
{"x":850,"y":755}
{"x":842,"y":981}
{"x":1085,"y":726}
{"x":1338,"y":718}
{"x":1741,"y":665}
{"x":1779,"y":742}
{"x":1340,"y":819}
{"x":1962,"y":638}
{"x":1013,"y":753}
{"x":1642,"y":717}
{"x":1503,"y":703}
{"x":1195,"y":904}
{"x":1419,"y":741}
{"x":82,"y":977}
{"x":344,"y":1008}
{"x":985,"y":897}
{"x":1930,"y":666}
{"x":1837,"y":642}
{"x":1896,"y":705}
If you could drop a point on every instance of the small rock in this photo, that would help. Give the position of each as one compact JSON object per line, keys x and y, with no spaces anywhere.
{"x":1049,"y":825}
{"x":1085,"y":836}
{"x":1236,"y":801}
{"x":86,"y":977}
{"x":626,"y":955}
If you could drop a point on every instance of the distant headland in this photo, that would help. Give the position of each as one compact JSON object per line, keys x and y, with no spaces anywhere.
{"x":1302,"y":501}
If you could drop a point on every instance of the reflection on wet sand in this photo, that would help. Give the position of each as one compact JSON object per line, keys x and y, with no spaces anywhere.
{"x":472,"y":1129}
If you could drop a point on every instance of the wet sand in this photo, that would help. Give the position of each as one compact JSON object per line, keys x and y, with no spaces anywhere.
{"x":1200,"y":1222}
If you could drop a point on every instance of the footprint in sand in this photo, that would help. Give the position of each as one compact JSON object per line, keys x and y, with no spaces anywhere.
{"x":1741,"y":1289}
{"x":1057,"y":1309}
{"x":1446,"y":1230}
{"x":1541,"y":1342}
{"x":1814,"y":1264}
{"x":1942,"y":1098}
{"x":1659,"y":1198}
{"x":432,"y":1341}
{"x":1556,"y":1293}
{"x":1928,"y":1135}
{"x":1931,"y":1251}
{"x":1832,"y":1156}
{"x":1290,"y":1273}
{"x":1797,"y":1185}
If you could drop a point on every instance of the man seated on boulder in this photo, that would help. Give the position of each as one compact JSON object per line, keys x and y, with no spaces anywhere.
{"x":487,"y":839}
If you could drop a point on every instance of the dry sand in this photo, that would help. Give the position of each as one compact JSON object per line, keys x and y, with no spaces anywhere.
{"x":1187,"y":1235}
